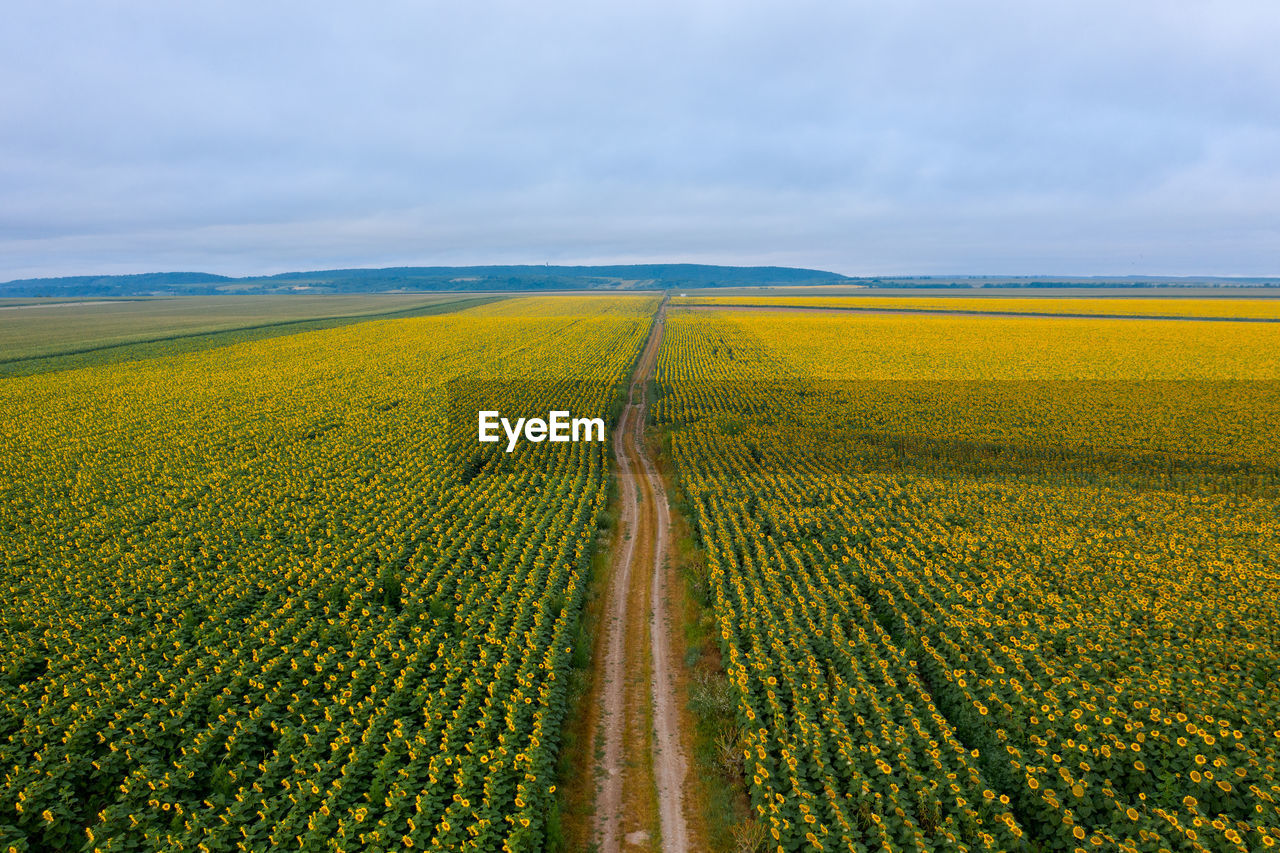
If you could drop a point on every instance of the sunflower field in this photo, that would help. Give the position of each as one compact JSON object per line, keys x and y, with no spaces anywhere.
{"x":1236,"y":307}
{"x":276,"y":595}
{"x":988,"y":583}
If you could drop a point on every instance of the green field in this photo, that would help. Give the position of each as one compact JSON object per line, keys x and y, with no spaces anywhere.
{"x":55,"y":334}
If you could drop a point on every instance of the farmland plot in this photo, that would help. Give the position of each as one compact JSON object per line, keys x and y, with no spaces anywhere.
{"x":987,"y":583}
{"x":275,"y":594}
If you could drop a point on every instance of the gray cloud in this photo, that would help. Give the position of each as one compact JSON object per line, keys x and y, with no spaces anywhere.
{"x":997,"y":137}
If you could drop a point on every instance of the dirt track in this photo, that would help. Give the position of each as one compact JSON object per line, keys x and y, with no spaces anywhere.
{"x":628,"y":777}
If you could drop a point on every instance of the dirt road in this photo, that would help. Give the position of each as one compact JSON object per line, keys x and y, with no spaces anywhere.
{"x":639,"y":764}
{"x":668,"y":756}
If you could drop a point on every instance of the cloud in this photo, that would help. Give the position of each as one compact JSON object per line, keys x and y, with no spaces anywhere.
{"x":1073,"y":137}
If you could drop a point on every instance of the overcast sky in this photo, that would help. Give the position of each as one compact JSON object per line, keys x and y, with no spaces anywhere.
{"x":937,"y":137}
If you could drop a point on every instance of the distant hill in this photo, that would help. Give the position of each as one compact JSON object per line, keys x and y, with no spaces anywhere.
{"x":621,"y":277}
{"x":114,"y":285}
{"x":503,"y":278}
